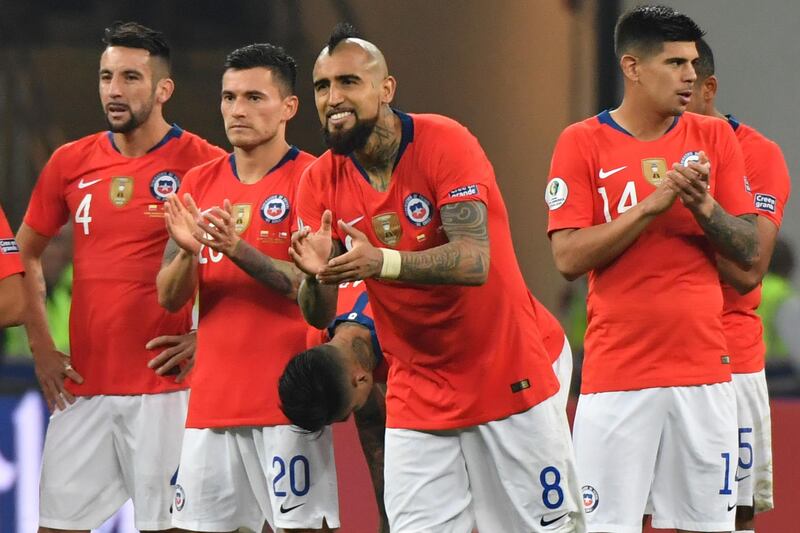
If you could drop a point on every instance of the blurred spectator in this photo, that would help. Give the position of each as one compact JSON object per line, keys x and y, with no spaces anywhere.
{"x":57,"y":270}
{"x":780,"y":313}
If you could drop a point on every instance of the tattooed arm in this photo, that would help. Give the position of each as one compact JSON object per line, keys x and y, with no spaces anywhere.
{"x":51,"y":365}
{"x":281,"y":276}
{"x":745,"y":281}
{"x":462,"y":261}
{"x":371,"y":424}
{"x":177,"y":280}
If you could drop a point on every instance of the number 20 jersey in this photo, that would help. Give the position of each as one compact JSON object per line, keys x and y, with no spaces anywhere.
{"x":115,"y":204}
{"x":655,"y":311}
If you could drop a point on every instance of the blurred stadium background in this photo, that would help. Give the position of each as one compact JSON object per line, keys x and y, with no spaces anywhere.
{"x":515,"y":72}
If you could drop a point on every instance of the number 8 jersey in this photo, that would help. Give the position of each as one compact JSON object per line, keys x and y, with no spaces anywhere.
{"x":116,"y":206}
{"x":655,"y":311}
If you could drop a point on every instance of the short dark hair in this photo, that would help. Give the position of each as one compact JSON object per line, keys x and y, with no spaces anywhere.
{"x":312,"y":388}
{"x":647,"y":28}
{"x":272,"y":57}
{"x":342,"y":31}
{"x":704,"y":66}
{"x":135,"y":35}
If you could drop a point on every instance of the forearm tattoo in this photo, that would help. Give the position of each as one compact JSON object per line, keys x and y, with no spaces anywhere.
{"x":170,"y":252}
{"x":462,"y":261}
{"x":284,"y":279}
{"x":734,"y":237}
{"x":371,"y":424}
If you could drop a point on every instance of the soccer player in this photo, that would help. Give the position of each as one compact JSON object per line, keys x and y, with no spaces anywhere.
{"x":342,"y":371}
{"x":641,"y":198}
{"x":770,"y":184}
{"x":12,"y":295}
{"x":111,"y":186}
{"x":474,"y":433}
{"x":241,"y":461}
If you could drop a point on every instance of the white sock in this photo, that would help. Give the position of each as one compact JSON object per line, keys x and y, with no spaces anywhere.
{"x":745,"y":531}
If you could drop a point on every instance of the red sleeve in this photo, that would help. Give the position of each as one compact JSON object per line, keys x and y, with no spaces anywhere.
{"x":769,"y":181}
{"x":311,"y":199}
{"x":47,"y":209}
{"x":731,"y":189}
{"x":569,"y":194}
{"x":10,"y":262}
{"x":462,"y":170}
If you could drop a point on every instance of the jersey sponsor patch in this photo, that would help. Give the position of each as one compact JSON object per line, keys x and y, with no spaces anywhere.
{"x":163,"y":184}
{"x":9,"y":246}
{"x":556,"y":193}
{"x":466,"y":190}
{"x":765,"y":202}
{"x":654,"y":169}
{"x":241,"y":217}
{"x":387,"y":229}
{"x":275,"y":209}
{"x":418,"y":209}
{"x":121,"y":190}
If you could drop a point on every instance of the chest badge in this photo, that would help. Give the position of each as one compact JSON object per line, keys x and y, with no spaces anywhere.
{"x":241,"y":217}
{"x":418,"y":209}
{"x":387,"y":228}
{"x":121,"y":190}
{"x":654,"y":170}
{"x":275,"y":209}
{"x":163,"y":184}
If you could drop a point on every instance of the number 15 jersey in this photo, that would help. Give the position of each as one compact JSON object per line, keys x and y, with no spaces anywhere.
{"x":655,"y":311}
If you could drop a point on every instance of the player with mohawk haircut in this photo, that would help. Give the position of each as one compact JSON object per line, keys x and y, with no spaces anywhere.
{"x":476,"y":435}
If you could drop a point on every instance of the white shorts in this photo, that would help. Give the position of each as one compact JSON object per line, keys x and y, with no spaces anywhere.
{"x":238,"y":477}
{"x":102,"y":450}
{"x":514,"y":474}
{"x":670,"y":452}
{"x":754,"y":472}
{"x":563,"y":370}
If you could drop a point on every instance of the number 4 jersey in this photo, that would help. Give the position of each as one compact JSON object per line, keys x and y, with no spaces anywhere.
{"x":115,"y":204}
{"x":655,"y":311}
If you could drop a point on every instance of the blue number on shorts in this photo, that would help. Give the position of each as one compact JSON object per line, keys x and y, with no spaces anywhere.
{"x":306,"y":475}
{"x":549,"y":488}
{"x":292,"y":475}
{"x":747,"y":446}
{"x":726,"y":487}
{"x":277,"y":460}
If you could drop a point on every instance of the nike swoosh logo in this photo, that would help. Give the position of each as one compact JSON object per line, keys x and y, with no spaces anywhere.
{"x":737,"y":478}
{"x":546,"y":523}
{"x":354,"y":221}
{"x":83,"y":184}
{"x":287,"y":509}
{"x":731,"y":507}
{"x":604,"y":175}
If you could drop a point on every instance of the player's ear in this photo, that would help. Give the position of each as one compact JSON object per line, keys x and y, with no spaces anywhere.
{"x":164,"y":89}
{"x":629,"y":64}
{"x":709,"y":88}
{"x":388,"y":88}
{"x":290,"y":105}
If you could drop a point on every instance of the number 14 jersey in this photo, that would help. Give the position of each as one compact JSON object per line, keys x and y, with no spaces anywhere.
{"x":655,"y":311}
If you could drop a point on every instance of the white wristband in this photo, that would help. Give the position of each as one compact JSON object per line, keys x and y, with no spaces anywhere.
{"x":391,"y":264}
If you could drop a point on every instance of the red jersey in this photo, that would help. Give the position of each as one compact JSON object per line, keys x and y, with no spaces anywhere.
{"x":247,"y":332}
{"x":655,"y":312}
{"x":115,"y":204}
{"x":458,"y":356}
{"x":770,"y":184}
{"x":10,"y":263}
{"x":352,"y":306}
{"x":553,"y":336}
